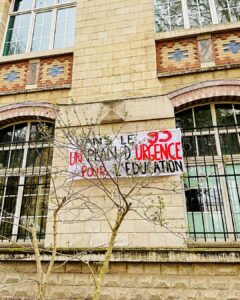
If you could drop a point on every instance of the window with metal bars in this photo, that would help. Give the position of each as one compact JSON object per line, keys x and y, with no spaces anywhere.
{"x":40,"y":25}
{"x":176,"y":14}
{"x":25,"y":160}
{"x":211,"y":143}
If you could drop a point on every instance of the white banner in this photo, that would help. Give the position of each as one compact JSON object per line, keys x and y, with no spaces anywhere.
{"x":153,"y":153}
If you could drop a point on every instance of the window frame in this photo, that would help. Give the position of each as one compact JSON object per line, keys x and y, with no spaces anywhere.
{"x":24,"y":172}
{"x":220,"y":160}
{"x":33,"y":12}
{"x":186,"y":19}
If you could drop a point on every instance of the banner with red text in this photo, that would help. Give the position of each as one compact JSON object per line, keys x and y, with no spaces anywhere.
{"x":152,"y":153}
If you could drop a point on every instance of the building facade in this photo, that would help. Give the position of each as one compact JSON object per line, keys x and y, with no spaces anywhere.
{"x":138,"y":65}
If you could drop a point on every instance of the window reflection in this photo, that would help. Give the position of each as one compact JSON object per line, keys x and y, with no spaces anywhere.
{"x":42,"y":30}
{"x":17,"y":34}
{"x":199,"y":13}
{"x":225,"y":114}
{"x":170,"y":15}
{"x":203,"y":116}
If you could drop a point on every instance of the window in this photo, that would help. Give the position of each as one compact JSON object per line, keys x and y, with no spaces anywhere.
{"x":176,"y":14}
{"x":40,"y":25}
{"x":211,"y":143}
{"x":25,"y":158}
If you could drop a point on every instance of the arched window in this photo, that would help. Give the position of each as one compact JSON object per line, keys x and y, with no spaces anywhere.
{"x":25,"y":157}
{"x":211,"y":142}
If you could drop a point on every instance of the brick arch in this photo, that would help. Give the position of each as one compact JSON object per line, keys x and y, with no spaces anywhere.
{"x":23,"y":111}
{"x":206,"y":91}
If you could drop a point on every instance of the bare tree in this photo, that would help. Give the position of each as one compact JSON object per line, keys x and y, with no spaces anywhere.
{"x":99,"y":159}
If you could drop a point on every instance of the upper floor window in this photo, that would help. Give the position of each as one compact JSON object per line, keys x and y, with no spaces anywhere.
{"x":25,"y":159}
{"x":40,"y":25}
{"x":176,"y":14}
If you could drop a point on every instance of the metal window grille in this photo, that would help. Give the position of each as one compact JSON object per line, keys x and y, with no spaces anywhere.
{"x":212,"y":184}
{"x":25,"y":160}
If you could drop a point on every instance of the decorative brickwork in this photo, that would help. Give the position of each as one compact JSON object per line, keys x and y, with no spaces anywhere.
{"x":13,"y":76}
{"x":226,"y":48}
{"x":207,"y":90}
{"x":51,"y":72}
{"x":177,"y":55}
{"x":55,"y":72}
{"x":21,"y":111}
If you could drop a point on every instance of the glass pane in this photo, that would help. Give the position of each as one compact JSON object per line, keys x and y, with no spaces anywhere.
{"x":206,"y":145}
{"x":176,"y":16}
{"x":39,"y":157}
{"x":162,"y":18}
{"x":6,"y":226}
{"x":237,"y":112}
{"x":235,"y":13}
{"x":65,"y":28}
{"x":223,"y":11}
{"x":20,"y":131}
{"x":203,"y":117}
{"x":36,"y":185}
{"x":41,"y":32}
{"x":22,"y":5}
{"x":29,"y":205}
{"x":228,"y":10}
{"x":11,"y":195}
{"x":34,"y":205}
{"x":41,"y":132}
{"x":2,"y":185}
{"x":199,"y":12}
{"x":17,"y":34}
{"x":229,"y":143}
{"x":4,"y":157}
{"x":206,"y":216}
{"x":233,"y":183}
{"x":224,"y":114}
{"x":189,"y":146}
{"x":6,"y":135}
{"x":184,"y":119}
{"x":43,"y":3}
{"x":16,"y":159}
{"x":40,"y":223}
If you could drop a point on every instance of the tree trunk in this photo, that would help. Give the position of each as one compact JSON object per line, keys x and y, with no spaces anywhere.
{"x":105,"y":265}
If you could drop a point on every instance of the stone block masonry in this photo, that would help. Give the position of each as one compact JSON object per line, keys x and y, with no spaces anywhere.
{"x":127,"y":281}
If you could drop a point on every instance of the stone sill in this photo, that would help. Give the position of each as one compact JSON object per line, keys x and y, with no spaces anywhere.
{"x":195,"y":71}
{"x":197,"y":255}
{"x":160,"y":36}
{"x":35,"y":55}
{"x":42,"y":89}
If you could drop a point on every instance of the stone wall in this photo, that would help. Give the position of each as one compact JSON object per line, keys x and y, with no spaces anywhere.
{"x":127,"y":281}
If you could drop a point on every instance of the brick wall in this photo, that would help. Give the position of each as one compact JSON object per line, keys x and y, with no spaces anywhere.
{"x":226,"y":48}
{"x":177,"y":55}
{"x":55,"y":71}
{"x":51,"y":72}
{"x":13,"y":76}
{"x":205,"y":52}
